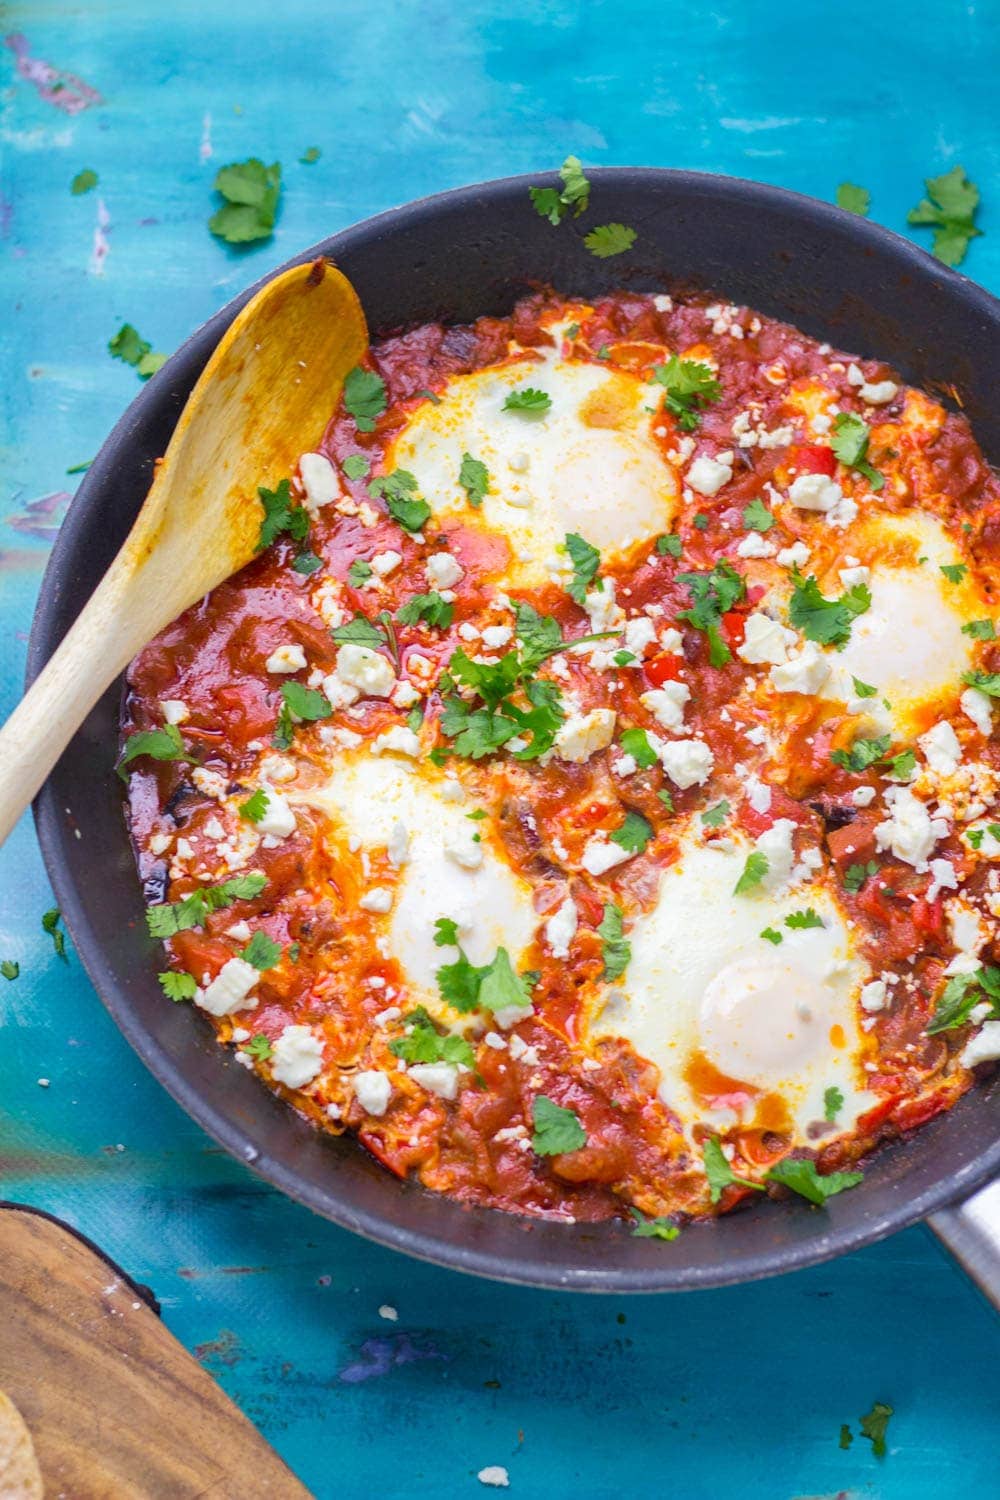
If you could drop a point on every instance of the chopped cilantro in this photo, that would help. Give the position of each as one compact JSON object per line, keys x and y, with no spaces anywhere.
{"x":83,"y":182}
{"x":178,"y":986}
{"x":850,"y":444}
{"x":557,"y":1130}
{"x":757,"y":517}
{"x":986,"y":682}
{"x":616,"y":950}
{"x":158,"y":744}
{"x":954,"y":572}
{"x":251,"y":192}
{"x":554,"y":203}
{"x":256,"y":805}
{"x":667,"y":799}
{"x":800,"y":1175}
{"x":500,"y":987}
{"x":771,"y":935}
{"x":258,"y":1047}
{"x":980,"y":630}
{"x":863,"y":689}
{"x":356,"y":465}
{"x":359,"y":632}
{"x":961,"y":994}
{"x":833,"y":1103}
{"x":669,"y":546}
{"x":364,"y":398}
{"x":718,"y":1171}
{"x":712,"y":595}
{"x":474,"y":477}
{"x":714,"y":817}
{"x":429,"y":608}
{"x":754,"y":870}
{"x":802,"y":920}
{"x":586,"y":560}
{"x":281,"y":514}
{"x":310,"y":156}
{"x":398,"y":490}
{"x":846,"y":1436}
{"x":359,"y":572}
{"x":856,"y":875}
{"x":633,"y":834}
{"x":827,"y":621}
{"x":298,"y":703}
{"x":950,"y":206}
{"x":446,"y":932}
{"x":528,"y":400}
{"x":10,"y":968}
{"x":50,"y":924}
{"x":135,"y":351}
{"x":423,"y":1043}
{"x":875,"y":1422}
{"x":609,"y":239}
{"x":261,"y":951}
{"x":653,"y":1229}
{"x":862,"y":754}
{"x":690,"y":386}
{"x":635,"y":742}
{"x":169,"y":918}
{"x":902,"y":765}
{"x":306,"y":562}
{"x":700,"y":521}
{"x":856,"y":200}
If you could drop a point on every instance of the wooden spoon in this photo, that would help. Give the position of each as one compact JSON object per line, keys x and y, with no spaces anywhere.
{"x":263,"y":398}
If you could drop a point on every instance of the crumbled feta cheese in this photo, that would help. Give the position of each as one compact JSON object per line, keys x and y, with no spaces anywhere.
{"x":977,"y":706}
{"x":908,"y":831}
{"x":873,"y":996}
{"x":602,"y":608}
{"x":758,"y":794}
{"x":372,"y":1090}
{"x":765,"y":640}
{"x":624,"y":765}
{"x":230,"y":989}
{"x":378,"y":898}
{"x":755,"y":545}
{"x":662,"y":302}
{"x":278,"y":820}
{"x":443,"y":571}
{"x":297,"y":1057}
{"x":863,"y":796}
{"x":388,"y":1313}
{"x":775,"y":843}
{"x":639,"y":633}
{"x":707,"y":475}
{"x":671,"y":641}
{"x":211,"y":783}
{"x":160,"y":843}
{"x":943,"y":878}
{"x":367,"y":670}
{"x":667,"y":703}
{"x":495,"y":636}
{"x":942,"y":749}
{"x":983,"y":1047}
{"x":397,"y":741}
{"x":465,"y":852}
{"x":795,"y":556}
{"x":686,"y":762}
{"x":804,"y":672}
{"x":290,"y":658}
{"x":878,"y":393}
{"x":277,"y":768}
{"x":851,"y":577}
{"x":600,"y":856}
{"x":384,"y":563}
{"x":815,"y":492}
{"x":319,"y":480}
{"x":404,"y":695}
{"x":519,"y":463}
{"x":561,"y":928}
{"x":582,"y":735}
{"x":439,"y":1078}
{"x":175,"y":711}
{"x":398,"y":847}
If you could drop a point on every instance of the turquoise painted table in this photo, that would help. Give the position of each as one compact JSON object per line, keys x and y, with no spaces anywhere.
{"x":737,"y":1392}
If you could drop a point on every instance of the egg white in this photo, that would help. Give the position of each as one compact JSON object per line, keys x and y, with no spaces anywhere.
{"x":703,"y":980}
{"x":590,"y":465}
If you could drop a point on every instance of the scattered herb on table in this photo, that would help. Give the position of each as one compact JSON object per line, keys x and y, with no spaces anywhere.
{"x":251,"y":192}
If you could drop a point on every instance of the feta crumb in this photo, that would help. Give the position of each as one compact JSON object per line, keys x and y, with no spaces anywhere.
{"x":600,"y":856}
{"x":378,"y":898}
{"x":624,"y":765}
{"x":908,"y":831}
{"x":388,"y":1313}
{"x":804,"y":672}
{"x":775,"y":843}
{"x":707,"y":475}
{"x":439,"y":1078}
{"x":404,"y":695}
{"x":367,"y":670}
{"x":878,"y":393}
{"x":943,"y":878}
{"x":495,"y":636}
{"x":983,"y":1047}
{"x":755,"y":545}
{"x":851,"y":577}
{"x":667,"y":703}
{"x":686,"y":762}
{"x":765,"y":640}
{"x":384,"y":563}
{"x":495,"y":1475}
{"x":639,"y":633}
{"x":175,"y":711}
{"x":372,"y":1090}
{"x":290,"y":658}
{"x":278,"y":820}
{"x":863,"y":796}
{"x":942,"y":749}
{"x":582,"y":735}
{"x":297,"y":1057}
{"x":976,"y":706}
{"x":560,"y":928}
{"x":873,"y":996}
{"x":815,"y":492}
{"x":230,"y":989}
{"x":465,"y":852}
{"x":443,"y":571}
{"x":319,"y":480}
{"x":398,"y":847}
{"x":397,"y":740}
{"x":795,"y":556}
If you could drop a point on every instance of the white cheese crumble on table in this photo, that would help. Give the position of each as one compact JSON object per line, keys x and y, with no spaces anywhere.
{"x":296,"y":1057}
{"x":495,"y":1475}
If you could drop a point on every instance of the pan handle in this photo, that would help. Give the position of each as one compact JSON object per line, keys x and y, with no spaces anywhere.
{"x":971,"y":1231}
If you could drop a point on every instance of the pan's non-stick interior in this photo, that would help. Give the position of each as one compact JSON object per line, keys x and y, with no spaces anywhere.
{"x":454,"y":257}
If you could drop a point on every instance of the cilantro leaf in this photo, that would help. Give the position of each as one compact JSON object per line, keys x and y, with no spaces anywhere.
{"x":771,"y":935}
{"x":986,"y":682}
{"x":616,"y":950}
{"x":850,"y":444}
{"x":801,"y":921}
{"x":800,"y":1175}
{"x":83,"y":182}
{"x":500,"y":988}
{"x":261,"y":951}
{"x":430,"y":608}
{"x":359,"y":632}
{"x":633,"y":834}
{"x":609,"y":239}
{"x":718,"y":1171}
{"x":258,"y":1047}
{"x":863,"y":689}
{"x":669,"y":546}
{"x":754,"y":870}
{"x":474,"y":477}
{"x":298,"y":703}
{"x":961,"y":994}
{"x":359,"y":572}
{"x":135,"y":351}
{"x":980,"y":630}
{"x":586,"y":560}
{"x":178,"y":986}
{"x":281,"y":514}
{"x":554,"y":204}
{"x":712,"y":594}
{"x":158,"y":744}
{"x":856,"y":200}
{"x":856,"y":875}
{"x":364,"y":398}
{"x":557,"y":1130}
{"x":954,"y":572}
{"x":827,"y":621}
{"x":459,"y":983}
{"x":690,"y":386}
{"x":833,"y":1103}
{"x":875,"y":1422}
{"x":251,"y":191}
{"x":398,"y":489}
{"x":256,"y":805}
{"x":446,"y":932}
{"x":423,"y":1043}
{"x":310,"y":156}
{"x":356,"y":465}
{"x":757,"y":517}
{"x":635,"y":742}
{"x":950,"y":206}
{"x":714,"y":817}
{"x":529,"y":400}
{"x":846,"y":1436}
{"x":653,"y":1229}
{"x":168,"y":918}
{"x":50,"y":925}
{"x":10,"y":968}
{"x":901,"y":766}
{"x":862,"y":754}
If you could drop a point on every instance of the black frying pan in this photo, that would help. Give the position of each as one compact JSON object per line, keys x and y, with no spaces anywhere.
{"x":454,"y":257}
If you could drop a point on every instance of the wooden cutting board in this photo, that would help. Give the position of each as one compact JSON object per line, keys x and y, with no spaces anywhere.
{"x":117,"y":1408}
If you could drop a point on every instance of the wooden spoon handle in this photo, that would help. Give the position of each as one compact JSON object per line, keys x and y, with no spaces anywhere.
{"x":99,"y":644}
